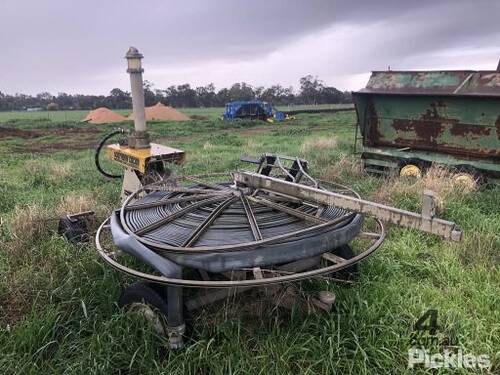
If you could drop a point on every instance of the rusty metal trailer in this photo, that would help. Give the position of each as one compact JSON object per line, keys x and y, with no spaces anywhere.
{"x":424,"y":117}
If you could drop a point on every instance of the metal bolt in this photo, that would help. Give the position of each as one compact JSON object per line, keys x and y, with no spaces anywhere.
{"x":326,"y":297}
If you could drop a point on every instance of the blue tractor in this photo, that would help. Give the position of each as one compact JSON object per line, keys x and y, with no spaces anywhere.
{"x":252,"y":109}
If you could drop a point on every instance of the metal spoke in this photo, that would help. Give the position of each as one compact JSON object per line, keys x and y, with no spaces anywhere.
{"x":164,"y":202}
{"x":274,"y":196}
{"x":333,"y":258}
{"x":251,"y":219}
{"x":288,"y":199}
{"x":206,"y":184}
{"x":208,"y":221}
{"x":289,"y":210}
{"x":179,"y":189}
{"x":176,"y":214}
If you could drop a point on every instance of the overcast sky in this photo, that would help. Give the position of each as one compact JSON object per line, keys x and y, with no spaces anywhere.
{"x":78,"y":46}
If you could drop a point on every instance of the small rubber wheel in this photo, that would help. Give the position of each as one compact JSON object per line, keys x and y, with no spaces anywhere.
{"x":147,"y":300}
{"x":349,"y":273}
{"x":142,"y":299}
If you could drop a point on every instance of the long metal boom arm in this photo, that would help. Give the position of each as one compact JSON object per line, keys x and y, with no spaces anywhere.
{"x":425,"y":221}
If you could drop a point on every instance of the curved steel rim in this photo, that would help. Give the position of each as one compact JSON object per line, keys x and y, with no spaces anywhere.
{"x":223,"y":248}
{"x":236,"y":283}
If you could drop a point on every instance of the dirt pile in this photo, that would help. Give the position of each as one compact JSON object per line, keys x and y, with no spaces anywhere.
{"x":162,"y":112}
{"x":103,"y":115}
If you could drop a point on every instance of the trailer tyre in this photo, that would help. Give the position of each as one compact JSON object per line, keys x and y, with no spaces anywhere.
{"x":410,"y":170}
{"x":468,"y":176}
{"x":415,"y":168}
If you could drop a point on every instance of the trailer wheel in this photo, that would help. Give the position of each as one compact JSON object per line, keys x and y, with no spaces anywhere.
{"x":349,"y":273}
{"x":468,"y":176}
{"x":410,"y":170}
{"x":142,"y":299}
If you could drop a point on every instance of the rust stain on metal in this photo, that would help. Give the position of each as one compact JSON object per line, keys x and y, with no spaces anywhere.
{"x":431,"y":126}
{"x":497,"y":124}
{"x":427,"y":131}
{"x":474,"y":131}
{"x":374,"y":133}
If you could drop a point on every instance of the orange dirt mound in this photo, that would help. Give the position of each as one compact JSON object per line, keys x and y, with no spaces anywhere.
{"x":103,"y":115}
{"x":163,"y":112}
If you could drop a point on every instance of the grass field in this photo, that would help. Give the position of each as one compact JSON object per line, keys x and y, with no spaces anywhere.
{"x":61,"y":116}
{"x":57,"y":301}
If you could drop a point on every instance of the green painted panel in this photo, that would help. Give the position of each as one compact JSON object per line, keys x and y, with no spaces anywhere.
{"x":471,"y":110}
{"x":460,"y":125}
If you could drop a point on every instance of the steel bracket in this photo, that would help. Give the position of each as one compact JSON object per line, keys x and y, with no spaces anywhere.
{"x":425,"y":221}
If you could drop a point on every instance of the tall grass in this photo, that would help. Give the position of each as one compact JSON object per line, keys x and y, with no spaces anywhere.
{"x":57,"y":301}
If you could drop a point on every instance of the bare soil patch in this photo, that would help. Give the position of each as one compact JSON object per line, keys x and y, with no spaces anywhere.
{"x":49,"y":148}
{"x":36,"y":133}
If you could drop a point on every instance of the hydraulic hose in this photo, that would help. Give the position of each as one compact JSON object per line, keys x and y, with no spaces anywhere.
{"x":98,"y":152}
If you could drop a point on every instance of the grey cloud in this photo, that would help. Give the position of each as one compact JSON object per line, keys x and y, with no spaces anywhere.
{"x":51,"y":44}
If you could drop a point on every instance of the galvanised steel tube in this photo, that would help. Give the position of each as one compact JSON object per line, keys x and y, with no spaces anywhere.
{"x":140,"y":137}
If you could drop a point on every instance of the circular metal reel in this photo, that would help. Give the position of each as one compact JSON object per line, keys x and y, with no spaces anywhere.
{"x":216,"y":217}
{"x":196,"y":205}
{"x":375,"y":236}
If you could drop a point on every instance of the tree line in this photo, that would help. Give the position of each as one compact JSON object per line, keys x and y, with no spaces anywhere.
{"x":312,"y":91}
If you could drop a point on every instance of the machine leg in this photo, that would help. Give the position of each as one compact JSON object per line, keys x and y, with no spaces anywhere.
{"x":175,"y":319}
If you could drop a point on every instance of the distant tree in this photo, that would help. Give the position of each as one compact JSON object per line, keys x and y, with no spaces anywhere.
{"x":119,"y":99}
{"x":258,"y":92}
{"x":64,"y":101}
{"x":223,"y":97}
{"x":206,"y":96}
{"x":330,"y":95}
{"x":241,"y":91}
{"x":44,"y":96}
{"x":149,"y":95}
{"x":347,"y":97}
{"x":278,"y":94}
{"x":160,"y":96}
{"x":310,"y":88}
